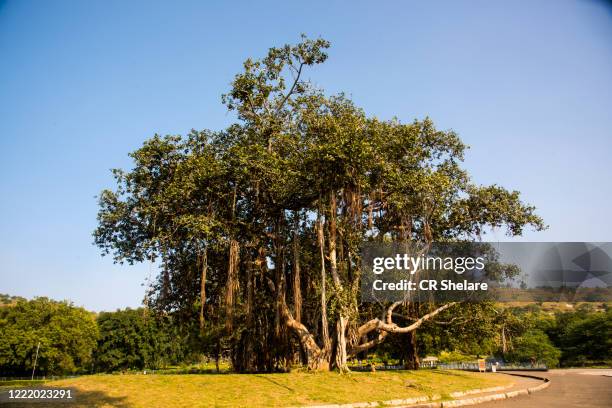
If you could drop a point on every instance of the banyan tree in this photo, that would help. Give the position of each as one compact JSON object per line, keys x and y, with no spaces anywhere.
{"x":257,"y":228}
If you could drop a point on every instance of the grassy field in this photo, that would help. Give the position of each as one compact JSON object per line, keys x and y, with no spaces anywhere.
{"x":267,"y":390}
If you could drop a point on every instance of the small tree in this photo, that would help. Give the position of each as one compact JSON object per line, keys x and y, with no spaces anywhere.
{"x":535,"y":346}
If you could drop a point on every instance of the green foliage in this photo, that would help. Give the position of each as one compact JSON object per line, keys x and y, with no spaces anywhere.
{"x":67,"y":336}
{"x":470,"y":329}
{"x":134,"y":339}
{"x":585,"y":338}
{"x":580,"y":337}
{"x":535,"y":346}
{"x":454,"y":357}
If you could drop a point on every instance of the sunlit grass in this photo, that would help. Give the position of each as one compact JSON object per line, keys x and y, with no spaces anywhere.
{"x":268,"y":390}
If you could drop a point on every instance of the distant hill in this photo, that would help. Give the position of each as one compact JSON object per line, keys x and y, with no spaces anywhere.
{"x":551,"y":307}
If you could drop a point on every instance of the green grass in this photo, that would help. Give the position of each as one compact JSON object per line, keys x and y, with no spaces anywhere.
{"x":21,"y":383}
{"x":267,"y":390}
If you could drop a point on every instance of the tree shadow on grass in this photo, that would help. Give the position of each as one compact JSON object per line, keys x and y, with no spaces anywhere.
{"x":274,"y":382}
{"x":454,"y":373}
{"x":83,"y":399}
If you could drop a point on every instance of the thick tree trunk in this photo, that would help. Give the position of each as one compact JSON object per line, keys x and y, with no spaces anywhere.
{"x":332,"y":239}
{"x":203,"y":288}
{"x":249,"y":355}
{"x":232,"y":284}
{"x":341,"y":355}
{"x":297,"y":285}
{"x":318,"y":363}
{"x":341,"y":324}
{"x":324,"y":322}
{"x":412,"y":357}
{"x":317,"y":358}
{"x":217,"y":354}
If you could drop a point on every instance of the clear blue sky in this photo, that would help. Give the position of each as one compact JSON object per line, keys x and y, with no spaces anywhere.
{"x":527,"y":84}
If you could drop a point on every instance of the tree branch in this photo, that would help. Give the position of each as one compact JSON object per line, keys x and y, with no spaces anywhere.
{"x":295,"y":82}
{"x":387,"y":327}
{"x":394,"y":328}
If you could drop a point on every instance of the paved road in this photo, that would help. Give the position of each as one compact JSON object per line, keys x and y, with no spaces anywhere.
{"x":584,"y":388}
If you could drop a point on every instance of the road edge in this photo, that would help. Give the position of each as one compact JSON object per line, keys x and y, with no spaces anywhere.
{"x":421,"y":402}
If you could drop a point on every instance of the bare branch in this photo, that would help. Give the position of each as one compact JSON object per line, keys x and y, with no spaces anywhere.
{"x":295,"y":82}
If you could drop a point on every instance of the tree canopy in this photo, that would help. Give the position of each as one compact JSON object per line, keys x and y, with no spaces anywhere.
{"x":67,"y":337}
{"x":258,"y":227}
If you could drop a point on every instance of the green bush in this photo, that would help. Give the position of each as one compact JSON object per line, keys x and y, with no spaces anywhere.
{"x":135,"y":339}
{"x":454,"y":357}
